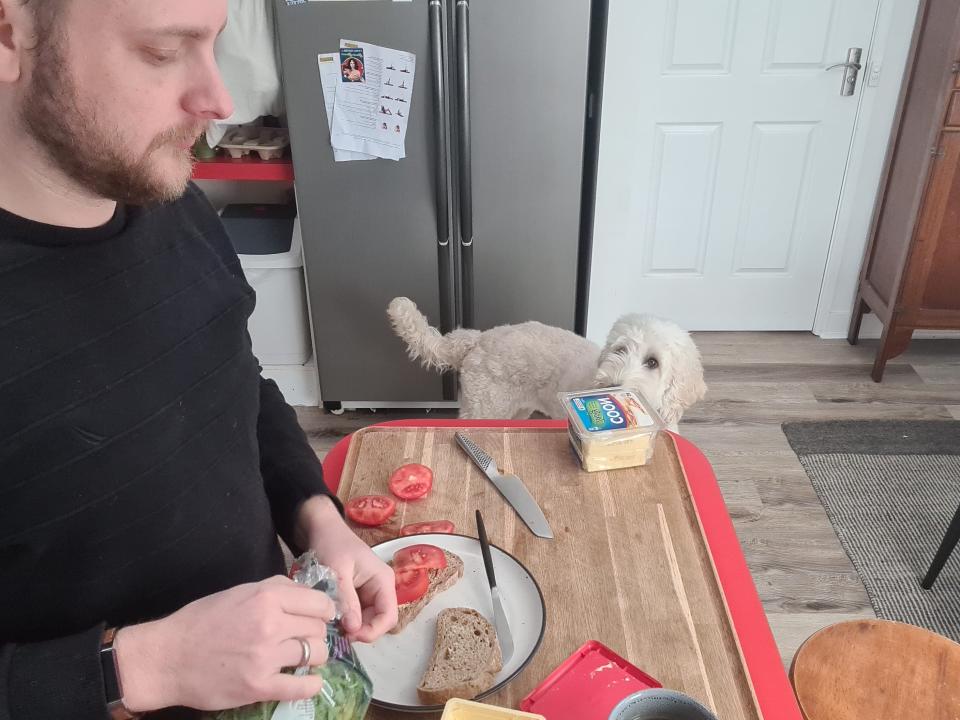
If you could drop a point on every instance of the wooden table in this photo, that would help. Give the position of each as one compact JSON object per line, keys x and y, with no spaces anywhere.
{"x":877,"y":669}
{"x":644,"y":560}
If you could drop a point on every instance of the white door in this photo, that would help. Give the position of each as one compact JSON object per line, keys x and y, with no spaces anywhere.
{"x":722,"y":153}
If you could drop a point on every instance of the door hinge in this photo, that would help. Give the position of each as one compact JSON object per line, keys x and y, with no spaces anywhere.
{"x":937,"y":152}
{"x":955,"y":68}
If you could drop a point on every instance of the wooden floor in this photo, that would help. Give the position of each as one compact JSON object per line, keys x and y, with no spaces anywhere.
{"x":757,"y":381}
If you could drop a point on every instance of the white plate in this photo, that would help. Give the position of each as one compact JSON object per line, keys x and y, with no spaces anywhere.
{"x":396,"y":663}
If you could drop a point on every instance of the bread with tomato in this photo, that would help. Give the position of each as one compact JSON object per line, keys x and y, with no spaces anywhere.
{"x":440,"y":580}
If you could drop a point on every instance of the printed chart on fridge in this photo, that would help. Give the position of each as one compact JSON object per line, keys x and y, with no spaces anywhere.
{"x":367,"y":91}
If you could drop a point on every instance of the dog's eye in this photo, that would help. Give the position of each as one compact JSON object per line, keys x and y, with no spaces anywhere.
{"x":652,"y":363}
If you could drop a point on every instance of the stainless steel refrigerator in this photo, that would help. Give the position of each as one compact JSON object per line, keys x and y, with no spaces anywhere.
{"x":486,"y":221}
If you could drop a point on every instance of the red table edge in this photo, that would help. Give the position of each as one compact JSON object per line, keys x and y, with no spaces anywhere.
{"x":771,"y":686}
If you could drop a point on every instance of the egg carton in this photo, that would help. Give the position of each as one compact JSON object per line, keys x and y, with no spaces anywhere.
{"x":268,"y":143}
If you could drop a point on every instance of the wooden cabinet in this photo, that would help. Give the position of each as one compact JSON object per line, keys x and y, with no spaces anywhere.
{"x":911,"y":273}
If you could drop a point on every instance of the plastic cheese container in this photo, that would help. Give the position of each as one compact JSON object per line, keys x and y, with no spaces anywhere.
{"x":611,"y":428}
{"x":465,"y":710}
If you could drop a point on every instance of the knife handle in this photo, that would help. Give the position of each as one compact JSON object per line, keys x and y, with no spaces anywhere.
{"x":483,"y":461}
{"x":485,"y":550}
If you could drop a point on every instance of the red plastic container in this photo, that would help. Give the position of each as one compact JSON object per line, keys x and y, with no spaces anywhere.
{"x":587,"y":685}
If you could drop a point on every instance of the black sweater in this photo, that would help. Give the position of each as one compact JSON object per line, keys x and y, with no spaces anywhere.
{"x":144,"y":462}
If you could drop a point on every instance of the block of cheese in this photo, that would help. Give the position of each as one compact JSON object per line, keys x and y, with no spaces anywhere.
{"x":611,"y":428}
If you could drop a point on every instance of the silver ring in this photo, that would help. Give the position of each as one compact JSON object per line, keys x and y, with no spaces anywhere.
{"x":304,"y":652}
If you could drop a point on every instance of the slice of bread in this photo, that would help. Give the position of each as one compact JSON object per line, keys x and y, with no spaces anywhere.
{"x":466,"y":658}
{"x":440,"y":580}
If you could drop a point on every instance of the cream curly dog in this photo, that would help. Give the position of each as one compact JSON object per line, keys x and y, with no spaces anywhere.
{"x":511,"y":371}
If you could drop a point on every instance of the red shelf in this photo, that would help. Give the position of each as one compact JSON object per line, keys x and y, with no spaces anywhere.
{"x":248,"y":168}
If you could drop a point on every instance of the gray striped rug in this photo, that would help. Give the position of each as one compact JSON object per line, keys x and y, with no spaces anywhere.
{"x":890,"y":489}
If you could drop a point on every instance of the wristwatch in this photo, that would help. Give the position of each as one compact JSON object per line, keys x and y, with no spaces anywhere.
{"x":111,"y":679}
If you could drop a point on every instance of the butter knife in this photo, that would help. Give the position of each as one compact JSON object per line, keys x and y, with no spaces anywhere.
{"x":511,"y":487}
{"x":499,"y":614}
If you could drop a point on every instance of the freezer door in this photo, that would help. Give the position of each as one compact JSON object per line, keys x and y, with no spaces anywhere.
{"x":370,"y":228}
{"x":527,"y":93}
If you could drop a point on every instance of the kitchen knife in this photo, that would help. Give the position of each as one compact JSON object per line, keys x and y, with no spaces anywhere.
{"x":499,"y":614}
{"x":511,"y":487}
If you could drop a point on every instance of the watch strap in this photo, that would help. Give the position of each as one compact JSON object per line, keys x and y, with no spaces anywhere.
{"x":113,"y":688}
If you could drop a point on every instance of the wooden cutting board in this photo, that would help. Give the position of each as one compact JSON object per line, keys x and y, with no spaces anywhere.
{"x":628,"y":566}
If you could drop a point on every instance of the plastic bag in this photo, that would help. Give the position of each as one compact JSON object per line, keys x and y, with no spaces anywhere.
{"x":346,"y":686}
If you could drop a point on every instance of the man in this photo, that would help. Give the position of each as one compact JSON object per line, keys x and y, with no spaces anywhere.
{"x":145,"y":466}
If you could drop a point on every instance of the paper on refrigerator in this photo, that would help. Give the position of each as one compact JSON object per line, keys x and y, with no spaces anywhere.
{"x":372,"y":101}
{"x":329,"y":64}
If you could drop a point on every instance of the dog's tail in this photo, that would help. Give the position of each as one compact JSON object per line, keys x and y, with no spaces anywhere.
{"x":425,"y":343}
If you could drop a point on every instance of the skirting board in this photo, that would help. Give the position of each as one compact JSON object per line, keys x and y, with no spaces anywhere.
{"x":871,"y":328}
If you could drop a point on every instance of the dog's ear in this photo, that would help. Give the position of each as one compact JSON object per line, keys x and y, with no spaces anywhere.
{"x":612,"y":360}
{"x":621,"y":345}
{"x":685,"y":385}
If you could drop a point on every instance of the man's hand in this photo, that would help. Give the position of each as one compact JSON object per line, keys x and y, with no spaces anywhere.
{"x":367,"y":587}
{"x":227,"y":649}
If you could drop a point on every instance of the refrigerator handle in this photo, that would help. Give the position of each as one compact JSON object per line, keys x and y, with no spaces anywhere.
{"x":447,"y":319}
{"x":465,"y":175}
{"x":440,"y":116}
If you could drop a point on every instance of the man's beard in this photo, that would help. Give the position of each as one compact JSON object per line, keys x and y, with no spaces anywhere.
{"x":86,"y":150}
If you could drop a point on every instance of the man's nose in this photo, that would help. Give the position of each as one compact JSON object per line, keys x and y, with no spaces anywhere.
{"x":209,"y":98}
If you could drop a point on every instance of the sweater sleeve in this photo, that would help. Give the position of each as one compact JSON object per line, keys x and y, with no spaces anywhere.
{"x":58,"y":678}
{"x":290,"y":468}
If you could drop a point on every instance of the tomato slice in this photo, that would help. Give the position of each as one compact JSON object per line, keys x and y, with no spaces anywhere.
{"x":411,"y":585}
{"x":419,"y":557}
{"x":432,"y":526}
{"x":411,"y":481}
{"x":371,"y":510}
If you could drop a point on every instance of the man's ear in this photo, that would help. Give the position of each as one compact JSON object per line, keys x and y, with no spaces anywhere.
{"x":16,"y":30}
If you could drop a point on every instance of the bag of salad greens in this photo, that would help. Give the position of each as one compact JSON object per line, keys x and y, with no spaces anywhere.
{"x":346,"y":687}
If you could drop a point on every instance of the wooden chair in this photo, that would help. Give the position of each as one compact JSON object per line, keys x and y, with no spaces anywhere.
{"x":877,"y":670}
{"x":946,"y":547}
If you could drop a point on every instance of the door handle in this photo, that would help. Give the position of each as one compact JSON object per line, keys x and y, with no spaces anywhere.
{"x":465,"y":160}
{"x":440,"y":118}
{"x":463,"y":67}
{"x":856,"y":66}
{"x":444,"y":251}
{"x":851,"y":69}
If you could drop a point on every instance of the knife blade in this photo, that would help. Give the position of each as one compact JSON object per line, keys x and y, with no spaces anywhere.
{"x":511,"y":487}
{"x":499,"y":613}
